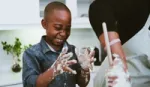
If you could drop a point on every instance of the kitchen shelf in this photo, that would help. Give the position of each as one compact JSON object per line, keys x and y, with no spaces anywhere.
{"x":19,"y":26}
{"x":82,"y":22}
{"x":78,"y":8}
{"x":24,"y":20}
{"x":77,"y":23}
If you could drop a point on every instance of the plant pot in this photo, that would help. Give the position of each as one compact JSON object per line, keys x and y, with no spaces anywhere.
{"x":16,"y":66}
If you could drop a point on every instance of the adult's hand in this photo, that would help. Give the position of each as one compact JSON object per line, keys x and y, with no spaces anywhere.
{"x":116,"y":76}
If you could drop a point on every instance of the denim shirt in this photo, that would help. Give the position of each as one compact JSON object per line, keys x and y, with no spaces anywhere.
{"x":38,"y":58}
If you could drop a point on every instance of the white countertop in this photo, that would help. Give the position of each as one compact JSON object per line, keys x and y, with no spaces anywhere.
{"x":7,"y":77}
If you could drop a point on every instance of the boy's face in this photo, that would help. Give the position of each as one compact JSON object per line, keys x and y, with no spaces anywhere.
{"x":57,"y":27}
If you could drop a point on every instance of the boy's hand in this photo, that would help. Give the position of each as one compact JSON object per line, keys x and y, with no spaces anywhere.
{"x":62,"y":63}
{"x":85,"y":57}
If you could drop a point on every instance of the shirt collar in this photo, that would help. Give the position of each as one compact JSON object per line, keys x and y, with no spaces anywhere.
{"x":51,"y":48}
{"x":46,"y":47}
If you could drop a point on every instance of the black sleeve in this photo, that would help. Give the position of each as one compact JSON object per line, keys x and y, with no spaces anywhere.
{"x":100,"y":11}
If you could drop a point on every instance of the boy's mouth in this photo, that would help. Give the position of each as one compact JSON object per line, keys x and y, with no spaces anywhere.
{"x":60,"y":40}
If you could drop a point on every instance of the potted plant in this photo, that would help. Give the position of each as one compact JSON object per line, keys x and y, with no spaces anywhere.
{"x":15,"y":50}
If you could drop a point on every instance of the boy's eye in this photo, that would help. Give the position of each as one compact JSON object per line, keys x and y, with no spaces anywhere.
{"x":68,"y":28}
{"x":58,"y":27}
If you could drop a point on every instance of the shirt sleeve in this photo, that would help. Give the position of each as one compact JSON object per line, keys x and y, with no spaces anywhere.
{"x":30,"y":69}
{"x":100,"y":11}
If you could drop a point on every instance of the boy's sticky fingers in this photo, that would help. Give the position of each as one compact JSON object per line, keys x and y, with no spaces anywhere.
{"x":92,"y":53}
{"x":68,"y":69}
{"x":70,"y":62}
{"x":67,"y":56}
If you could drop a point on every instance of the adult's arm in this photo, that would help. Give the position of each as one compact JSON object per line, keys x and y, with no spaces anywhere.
{"x":101,"y":11}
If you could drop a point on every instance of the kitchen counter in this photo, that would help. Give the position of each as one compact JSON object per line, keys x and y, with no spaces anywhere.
{"x":7,"y":77}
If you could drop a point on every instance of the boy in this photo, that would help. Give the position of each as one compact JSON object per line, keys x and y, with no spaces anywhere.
{"x":42,"y":62}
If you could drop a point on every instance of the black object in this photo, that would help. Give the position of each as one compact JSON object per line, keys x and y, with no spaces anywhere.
{"x":16,"y":68}
{"x":126,"y":17}
{"x":97,"y":62}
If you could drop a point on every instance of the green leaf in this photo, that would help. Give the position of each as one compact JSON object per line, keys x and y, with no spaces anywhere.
{"x":15,"y":49}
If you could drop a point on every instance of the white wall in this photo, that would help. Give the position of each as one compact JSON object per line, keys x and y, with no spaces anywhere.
{"x":140,"y":42}
{"x":78,"y":37}
{"x":19,"y":11}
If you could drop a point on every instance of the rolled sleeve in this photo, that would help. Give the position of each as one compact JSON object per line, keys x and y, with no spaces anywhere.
{"x":30,"y":69}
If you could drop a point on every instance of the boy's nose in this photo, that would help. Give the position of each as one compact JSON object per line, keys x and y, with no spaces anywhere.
{"x":63,"y":33}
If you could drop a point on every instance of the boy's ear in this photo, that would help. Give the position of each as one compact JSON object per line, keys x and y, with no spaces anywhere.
{"x":43,"y":22}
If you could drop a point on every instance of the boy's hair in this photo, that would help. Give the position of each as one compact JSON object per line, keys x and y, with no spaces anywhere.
{"x":55,"y":6}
